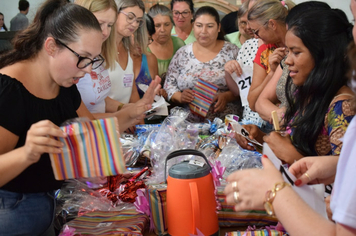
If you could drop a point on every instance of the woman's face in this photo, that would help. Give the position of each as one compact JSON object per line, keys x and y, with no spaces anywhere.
{"x":243,"y":27}
{"x":299,"y":59}
{"x":182,"y":16}
{"x":263,"y":31}
{"x":206,"y":29}
{"x":163,"y":26}
{"x":128,"y":21}
{"x":1,"y":21}
{"x":63,"y":63}
{"x":106,"y":20}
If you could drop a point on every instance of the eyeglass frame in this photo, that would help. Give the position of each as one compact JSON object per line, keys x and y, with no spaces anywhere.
{"x":140,"y":22}
{"x":180,"y":13}
{"x":255,"y":32}
{"x":80,"y":58}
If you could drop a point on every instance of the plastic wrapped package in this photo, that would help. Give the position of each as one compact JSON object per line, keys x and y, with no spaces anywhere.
{"x":233,"y":157}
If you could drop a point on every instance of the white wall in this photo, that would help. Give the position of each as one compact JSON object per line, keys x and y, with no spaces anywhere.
{"x":10,"y":8}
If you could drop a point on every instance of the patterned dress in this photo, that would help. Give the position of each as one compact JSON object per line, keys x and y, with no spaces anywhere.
{"x":185,"y":70}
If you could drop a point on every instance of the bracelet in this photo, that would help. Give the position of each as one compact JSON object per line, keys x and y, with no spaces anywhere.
{"x":120,"y":106}
{"x":270,"y":195}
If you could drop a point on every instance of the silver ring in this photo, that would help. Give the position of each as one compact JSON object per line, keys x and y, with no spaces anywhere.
{"x":236,"y":197}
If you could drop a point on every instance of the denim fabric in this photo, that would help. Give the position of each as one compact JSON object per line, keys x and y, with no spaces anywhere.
{"x":26,"y":214}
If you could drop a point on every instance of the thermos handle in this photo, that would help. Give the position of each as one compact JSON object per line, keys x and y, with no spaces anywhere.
{"x":182,"y":153}
{"x":194,"y":195}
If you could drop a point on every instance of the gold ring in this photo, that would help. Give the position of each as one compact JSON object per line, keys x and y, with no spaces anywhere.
{"x":236,"y":197}
{"x":234,"y":186}
{"x":307,"y":175}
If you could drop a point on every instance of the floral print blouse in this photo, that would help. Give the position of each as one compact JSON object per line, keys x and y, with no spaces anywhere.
{"x":185,"y":70}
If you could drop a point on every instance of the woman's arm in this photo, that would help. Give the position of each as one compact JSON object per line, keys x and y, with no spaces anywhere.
{"x":152,"y":64}
{"x":259,"y":80}
{"x":266,"y":102}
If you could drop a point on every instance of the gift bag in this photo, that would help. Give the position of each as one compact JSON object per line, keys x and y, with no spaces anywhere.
{"x":91,"y":148}
{"x":158,"y":205}
{"x":204,"y":93}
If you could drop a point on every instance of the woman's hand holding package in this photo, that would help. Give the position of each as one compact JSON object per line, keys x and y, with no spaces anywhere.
{"x":233,"y":66}
{"x":40,"y":140}
{"x":282,"y":146}
{"x":219,"y":102}
{"x":251,"y":185}
{"x":187,"y":96}
{"x":319,"y":169}
{"x":254,"y":133}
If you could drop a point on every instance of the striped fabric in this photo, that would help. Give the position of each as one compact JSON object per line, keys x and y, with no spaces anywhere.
{"x":92,"y":148}
{"x":263,"y":232}
{"x":204,"y":93}
{"x":120,"y":223}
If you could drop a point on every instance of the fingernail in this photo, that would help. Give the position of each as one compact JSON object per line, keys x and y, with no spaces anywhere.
{"x":298,"y":182}
{"x":264,"y":156}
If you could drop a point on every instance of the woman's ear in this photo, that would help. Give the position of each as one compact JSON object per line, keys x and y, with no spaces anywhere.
{"x":219,"y":27}
{"x":272,"y":23}
{"x":50,"y":46}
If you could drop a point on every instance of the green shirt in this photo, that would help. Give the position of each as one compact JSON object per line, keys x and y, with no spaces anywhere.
{"x":234,"y":38}
{"x":163,"y":64}
{"x":188,"y":40}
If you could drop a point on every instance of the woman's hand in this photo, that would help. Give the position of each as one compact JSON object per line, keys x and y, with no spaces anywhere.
{"x":136,"y":111}
{"x":252,"y":185}
{"x":221,"y":102}
{"x":276,"y":58}
{"x":319,"y":169}
{"x":233,"y":66}
{"x":281,"y":145}
{"x":40,"y":139}
{"x":187,"y":96}
{"x":254,"y":133}
{"x":163,"y":93}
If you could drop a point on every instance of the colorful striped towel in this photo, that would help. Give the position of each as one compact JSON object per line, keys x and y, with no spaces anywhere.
{"x":123,"y":223}
{"x":204,"y":93}
{"x":92,"y":148}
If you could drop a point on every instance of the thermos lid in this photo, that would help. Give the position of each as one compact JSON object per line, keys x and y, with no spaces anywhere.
{"x":185,"y":170}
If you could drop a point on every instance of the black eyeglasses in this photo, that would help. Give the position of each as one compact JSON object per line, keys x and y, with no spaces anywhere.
{"x":85,"y":61}
{"x":131,"y":18}
{"x":184,"y":14}
{"x":256,"y":31}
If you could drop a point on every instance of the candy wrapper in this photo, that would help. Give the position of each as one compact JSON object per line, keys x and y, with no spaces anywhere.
{"x":91,"y":148}
{"x":204,"y":93}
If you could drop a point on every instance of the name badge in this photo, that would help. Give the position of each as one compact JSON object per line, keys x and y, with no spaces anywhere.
{"x":128,"y":80}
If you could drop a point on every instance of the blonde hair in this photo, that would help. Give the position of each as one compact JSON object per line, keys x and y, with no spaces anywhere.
{"x":140,"y":35}
{"x":264,"y":10}
{"x":108,"y":49}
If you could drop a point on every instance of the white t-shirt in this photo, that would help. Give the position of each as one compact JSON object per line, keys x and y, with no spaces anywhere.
{"x":94,"y":88}
{"x":121,"y":82}
{"x":343,"y":198}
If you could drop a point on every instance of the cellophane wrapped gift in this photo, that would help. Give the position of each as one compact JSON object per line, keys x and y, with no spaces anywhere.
{"x":262,"y":232}
{"x":91,"y":148}
{"x":158,"y":205}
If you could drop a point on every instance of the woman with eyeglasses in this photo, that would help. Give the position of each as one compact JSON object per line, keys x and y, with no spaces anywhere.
{"x":130,"y":34}
{"x":183,"y":11}
{"x":37,"y":94}
{"x":205,"y":59}
{"x":164,"y":45}
{"x":266,"y":19}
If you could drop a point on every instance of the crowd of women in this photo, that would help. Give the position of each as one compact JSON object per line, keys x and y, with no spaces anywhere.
{"x":93,"y":58}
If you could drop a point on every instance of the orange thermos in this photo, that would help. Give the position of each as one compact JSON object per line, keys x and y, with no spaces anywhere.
{"x":191,"y":203}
